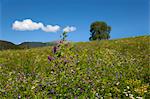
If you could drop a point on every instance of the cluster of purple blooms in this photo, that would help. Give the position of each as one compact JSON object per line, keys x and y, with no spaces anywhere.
{"x":50,"y":58}
{"x":54,"y":50}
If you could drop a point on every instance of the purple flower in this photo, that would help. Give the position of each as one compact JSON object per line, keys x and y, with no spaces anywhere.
{"x":75,"y":97}
{"x":61,"y":41}
{"x":54,"y":49}
{"x":66,"y":61}
{"x":52,"y":91}
{"x":19,"y":97}
{"x":50,"y":58}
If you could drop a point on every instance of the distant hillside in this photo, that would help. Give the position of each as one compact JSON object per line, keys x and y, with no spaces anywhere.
{"x":36,"y":44}
{"x":32,"y":44}
{"x":7,"y":45}
{"x":4,"y":45}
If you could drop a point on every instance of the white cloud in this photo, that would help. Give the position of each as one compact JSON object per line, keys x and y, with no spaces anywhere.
{"x":50,"y":28}
{"x":29,"y":25}
{"x":69,"y":29}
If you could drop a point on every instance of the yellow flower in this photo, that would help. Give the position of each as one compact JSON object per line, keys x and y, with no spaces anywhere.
{"x":142,"y":89}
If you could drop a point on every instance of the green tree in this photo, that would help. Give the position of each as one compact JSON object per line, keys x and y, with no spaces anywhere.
{"x":99,"y":31}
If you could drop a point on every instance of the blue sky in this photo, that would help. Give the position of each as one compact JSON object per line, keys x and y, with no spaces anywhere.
{"x":126,"y":17}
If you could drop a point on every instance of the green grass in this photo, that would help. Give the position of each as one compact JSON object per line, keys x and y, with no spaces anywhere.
{"x":109,"y":69}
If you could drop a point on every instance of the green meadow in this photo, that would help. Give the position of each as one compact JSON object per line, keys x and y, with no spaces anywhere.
{"x":106,"y":69}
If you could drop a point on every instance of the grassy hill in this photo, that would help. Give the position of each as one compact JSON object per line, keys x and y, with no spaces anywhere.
{"x":99,"y":69}
{"x":6,"y":45}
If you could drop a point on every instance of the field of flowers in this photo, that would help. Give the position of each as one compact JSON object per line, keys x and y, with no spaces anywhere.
{"x":108,"y":69}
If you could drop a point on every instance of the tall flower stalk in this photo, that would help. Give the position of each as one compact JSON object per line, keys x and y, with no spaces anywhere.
{"x":61,"y":48}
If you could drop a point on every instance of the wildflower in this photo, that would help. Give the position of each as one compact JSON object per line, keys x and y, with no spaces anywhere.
{"x":66,"y":61}
{"x":131,"y":96}
{"x":75,"y":97}
{"x":117,"y":83}
{"x":32,"y":87}
{"x":128,"y":87}
{"x":97,"y":95}
{"x":40,"y":85}
{"x":129,"y":91}
{"x":19,"y":97}
{"x":61,"y":41}
{"x":54,"y":49}
{"x":52,"y":71}
{"x":51,"y":91}
{"x":139,"y":97}
{"x":126,"y":94}
{"x":50,"y":58}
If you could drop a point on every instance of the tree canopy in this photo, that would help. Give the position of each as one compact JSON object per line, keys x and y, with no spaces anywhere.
{"x":99,"y":31}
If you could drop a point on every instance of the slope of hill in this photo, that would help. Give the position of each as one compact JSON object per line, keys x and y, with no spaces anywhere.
{"x":37,"y":44}
{"x":7,"y":45}
{"x":107,"y":69}
{"x":32,"y":44}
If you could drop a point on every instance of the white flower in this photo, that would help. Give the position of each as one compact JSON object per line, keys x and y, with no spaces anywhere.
{"x":126,"y":94}
{"x":32,"y":87}
{"x":131,"y":96}
{"x":128,"y":87}
{"x":139,"y":97}
{"x":117,"y":83}
{"x":97,"y":94}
